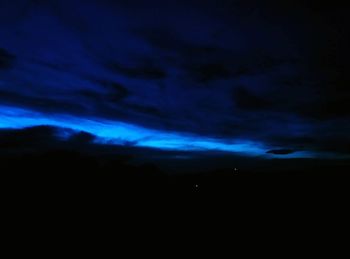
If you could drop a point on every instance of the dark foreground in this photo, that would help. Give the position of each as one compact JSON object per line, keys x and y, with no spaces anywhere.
{"x":34,"y":162}
{"x":65,"y":191}
{"x":64,"y":174}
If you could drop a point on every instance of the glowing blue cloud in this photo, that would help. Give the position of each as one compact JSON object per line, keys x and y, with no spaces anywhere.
{"x":114,"y":132}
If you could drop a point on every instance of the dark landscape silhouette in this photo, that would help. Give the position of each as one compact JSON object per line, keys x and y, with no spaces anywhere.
{"x":35,"y":162}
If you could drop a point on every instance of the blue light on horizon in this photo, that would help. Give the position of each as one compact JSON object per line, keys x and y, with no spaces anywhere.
{"x":119,"y":133}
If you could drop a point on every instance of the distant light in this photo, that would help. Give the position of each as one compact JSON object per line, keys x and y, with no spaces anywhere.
{"x":119,"y":133}
{"x":116,"y":132}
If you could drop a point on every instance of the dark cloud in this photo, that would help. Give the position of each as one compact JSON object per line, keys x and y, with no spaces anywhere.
{"x":209,"y":72}
{"x":91,"y":95}
{"x":6,"y":59}
{"x":42,"y":103}
{"x":160,"y":38}
{"x":116,"y":92}
{"x":270,"y":72}
{"x":147,"y":72}
{"x":61,"y":67}
{"x":327,"y":108}
{"x":297,"y":142}
{"x":246,"y":100}
{"x":172,"y":43}
{"x":281,"y":151}
{"x":144,"y":109}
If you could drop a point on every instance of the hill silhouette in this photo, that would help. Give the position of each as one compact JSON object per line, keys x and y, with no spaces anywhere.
{"x":38,"y":162}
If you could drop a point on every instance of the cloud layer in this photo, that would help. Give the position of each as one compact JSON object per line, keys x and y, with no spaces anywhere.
{"x":267,"y":72}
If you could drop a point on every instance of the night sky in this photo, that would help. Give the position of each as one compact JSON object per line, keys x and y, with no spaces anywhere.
{"x":255,"y":79}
